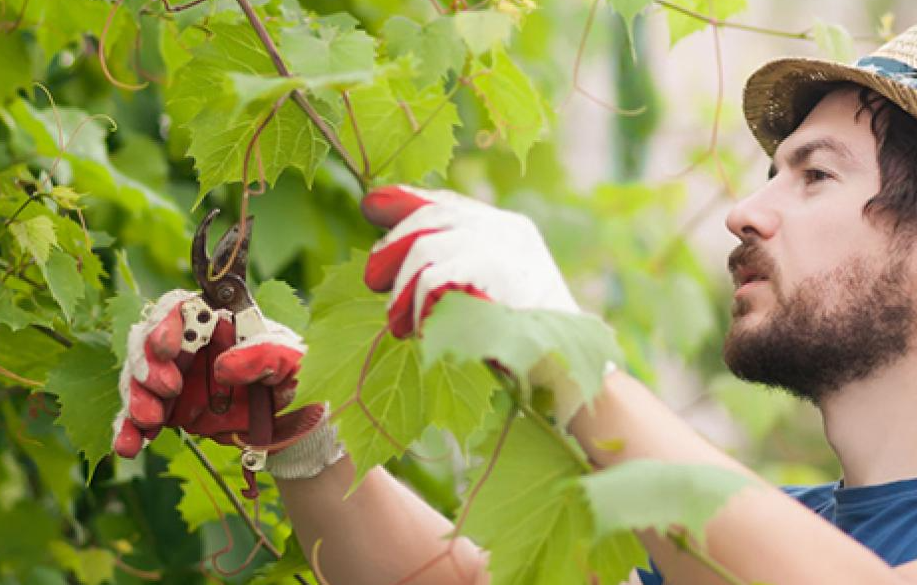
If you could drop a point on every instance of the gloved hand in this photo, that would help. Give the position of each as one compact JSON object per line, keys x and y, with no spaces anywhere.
{"x":161,"y":385}
{"x":441,"y":241}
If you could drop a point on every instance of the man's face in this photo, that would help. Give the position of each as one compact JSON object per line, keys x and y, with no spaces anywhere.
{"x":823,"y":294}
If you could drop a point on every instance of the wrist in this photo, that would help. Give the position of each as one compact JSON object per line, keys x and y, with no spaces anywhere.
{"x":308,"y":456}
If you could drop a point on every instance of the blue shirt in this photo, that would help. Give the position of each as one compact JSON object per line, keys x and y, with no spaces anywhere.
{"x":881,"y":517}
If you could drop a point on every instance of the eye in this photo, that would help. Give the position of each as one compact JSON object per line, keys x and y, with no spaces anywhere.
{"x":815,"y":176}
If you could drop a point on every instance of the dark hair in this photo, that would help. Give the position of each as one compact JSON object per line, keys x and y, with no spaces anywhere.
{"x":896,"y":139}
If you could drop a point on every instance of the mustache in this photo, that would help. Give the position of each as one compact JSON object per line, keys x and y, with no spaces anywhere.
{"x":751,"y":255}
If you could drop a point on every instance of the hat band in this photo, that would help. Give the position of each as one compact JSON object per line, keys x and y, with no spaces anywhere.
{"x":887,"y":67}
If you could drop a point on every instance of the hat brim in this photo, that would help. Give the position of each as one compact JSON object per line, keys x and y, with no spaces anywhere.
{"x":782,"y":92}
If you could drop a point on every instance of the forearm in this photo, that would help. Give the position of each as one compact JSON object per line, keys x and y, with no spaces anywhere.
{"x":379,"y":535}
{"x":761,"y":535}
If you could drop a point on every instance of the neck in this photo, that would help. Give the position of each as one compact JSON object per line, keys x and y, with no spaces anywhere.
{"x":870,"y":425}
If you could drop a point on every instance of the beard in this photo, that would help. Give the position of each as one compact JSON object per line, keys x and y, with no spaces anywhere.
{"x":834,"y":328}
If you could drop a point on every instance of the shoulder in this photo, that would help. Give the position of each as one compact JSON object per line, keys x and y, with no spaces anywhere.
{"x":814,"y":497}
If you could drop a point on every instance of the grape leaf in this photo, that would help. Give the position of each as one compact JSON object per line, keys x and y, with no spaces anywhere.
{"x":643,"y":494}
{"x":511,"y":101}
{"x":286,"y":567}
{"x":92,"y":566}
{"x":28,"y":352}
{"x":55,"y":462}
{"x":16,"y":72}
{"x":278,"y":301}
{"x":86,"y":384}
{"x":27,"y":529}
{"x":11,"y":314}
{"x":358,"y":316}
{"x":615,"y":555}
{"x":254,"y":89}
{"x":482,"y":30}
{"x":196,"y":506}
{"x":220,"y":132}
{"x":834,"y":41}
{"x":529,"y":512}
{"x":406,"y":132}
{"x":335,"y":58}
{"x":629,"y":9}
{"x":401,"y":396}
{"x":436,"y":45}
{"x":459,"y":396}
{"x":64,"y":280}
{"x":471,"y":329}
{"x":123,"y":310}
{"x":35,"y":236}
{"x":218,"y":145}
{"x":682,"y":25}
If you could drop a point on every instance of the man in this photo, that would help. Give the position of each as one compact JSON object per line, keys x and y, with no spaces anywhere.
{"x":826,"y":282}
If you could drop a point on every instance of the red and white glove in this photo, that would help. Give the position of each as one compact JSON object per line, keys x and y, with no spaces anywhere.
{"x":442,"y":241}
{"x":161,"y":385}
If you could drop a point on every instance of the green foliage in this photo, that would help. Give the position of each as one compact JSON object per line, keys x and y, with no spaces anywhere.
{"x":35,"y":236}
{"x":682,"y":25}
{"x":652,"y":494}
{"x":98,"y":198}
{"x":483,"y":30}
{"x":200,"y":491}
{"x":278,"y":301}
{"x":123,"y":310}
{"x":436,"y":45}
{"x":91,"y":566}
{"x":400,"y":397}
{"x":511,"y":101}
{"x":834,"y":41}
{"x":86,"y":385}
{"x":64,"y":280}
{"x":406,"y":132}
{"x":335,"y":58}
{"x":629,"y":9}
{"x":472,"y":330}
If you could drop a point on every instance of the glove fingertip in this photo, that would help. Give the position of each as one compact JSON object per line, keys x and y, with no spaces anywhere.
{"x":165,"y":339}
{"x":128,"y":442}
{"x":388,"y":205}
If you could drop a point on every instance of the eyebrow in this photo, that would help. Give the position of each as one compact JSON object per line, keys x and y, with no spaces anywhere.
{"x":804,"y":152}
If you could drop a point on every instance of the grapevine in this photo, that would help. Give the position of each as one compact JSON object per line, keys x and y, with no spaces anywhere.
{"x":120,"y":119}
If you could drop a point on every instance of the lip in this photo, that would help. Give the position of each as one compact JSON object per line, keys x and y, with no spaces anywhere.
{"x":749,"y":286}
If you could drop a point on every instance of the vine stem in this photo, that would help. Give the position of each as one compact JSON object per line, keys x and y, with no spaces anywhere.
{"x":298,"y":97}
{"x":53,"y":335}
{"x":21,"y":379}
{"x":139,"y":573}
{"x":31,"y":197}
{"x":231,"y":495}
{"x":356,"y":132}
{"x":805,"y":35}
{"x":169,"y":8}
{"x":683,"y":543}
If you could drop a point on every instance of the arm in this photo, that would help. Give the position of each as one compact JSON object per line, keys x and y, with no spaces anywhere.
{"x":382,"y":534}
{"x":761,"y":535}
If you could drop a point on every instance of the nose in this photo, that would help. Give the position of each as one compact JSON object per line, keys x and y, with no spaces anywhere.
{"x":753,"y":217}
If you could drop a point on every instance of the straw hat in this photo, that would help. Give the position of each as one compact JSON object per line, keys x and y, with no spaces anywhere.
{"x":781,"y":93}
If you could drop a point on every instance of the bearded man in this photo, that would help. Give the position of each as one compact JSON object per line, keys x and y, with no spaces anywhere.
{"x":824,"y":306}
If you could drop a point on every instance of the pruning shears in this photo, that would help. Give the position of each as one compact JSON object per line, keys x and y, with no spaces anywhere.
{"x":229,"y":293}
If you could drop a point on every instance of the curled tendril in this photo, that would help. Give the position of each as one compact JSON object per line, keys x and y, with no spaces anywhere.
{"x":577,"y":63}
{"x":102,"y":62}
